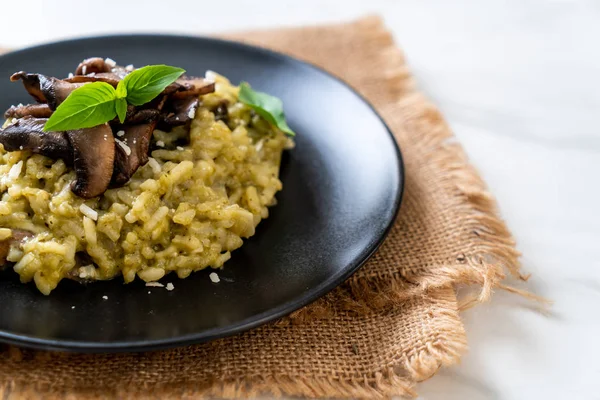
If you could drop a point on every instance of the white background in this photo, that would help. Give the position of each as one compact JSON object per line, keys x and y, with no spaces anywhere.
{"x":519,"y":82}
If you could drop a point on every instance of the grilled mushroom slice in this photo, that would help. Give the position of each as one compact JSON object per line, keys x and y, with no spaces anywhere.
{"x":28,"y":110}
{"x":132,"y":151}
{"x":46,"y":89}
{"x":136,"y":115}
{"x":92,"y":65}
{"x":108,"y":77}
{"x":179,"y":112}
{"x":18,"y":236}
{"x":27,"y":134}
{"x":93,"y":157}
{"x":193,"y":87}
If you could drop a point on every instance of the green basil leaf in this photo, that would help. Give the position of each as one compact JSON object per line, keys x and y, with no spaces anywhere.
{"x":144,"y":84}
{"x":267,"y":106}
{"x":90,"y":105}
{"x":121,"y":91}
{"x":121,"y":108}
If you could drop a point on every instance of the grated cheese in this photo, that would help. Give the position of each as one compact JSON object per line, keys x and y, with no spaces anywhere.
{"x":214,"y":277}
{"x":110,"y":62}
{"x":126,"y":148}
{"x":210,"y":76}
{"x":160,"y":143}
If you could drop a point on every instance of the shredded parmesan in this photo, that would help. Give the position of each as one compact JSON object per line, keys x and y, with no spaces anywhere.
{"x":179,"y":148}
{"x":192,"y":113}
{"x":120,"y":133}
{"x":89,"y":212}
{"x":160,"y":143}
{"x":105,"y":297}
{"x":129,"y":68}
{"x":126,"y":148}
{"x":84,"y":69}
{"x":210,"y":76}
{"x":170,"y":286}
{"x":110,"y":62}
{"x":214,"y":277}
{"x":154,"y":284}
{"x":70,"y":74}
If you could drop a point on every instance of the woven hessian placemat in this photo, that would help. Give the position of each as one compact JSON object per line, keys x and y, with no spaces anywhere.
{"x":394,"y":323}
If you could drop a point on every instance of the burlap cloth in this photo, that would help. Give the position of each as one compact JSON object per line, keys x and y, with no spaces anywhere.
{"x":394,"y":323}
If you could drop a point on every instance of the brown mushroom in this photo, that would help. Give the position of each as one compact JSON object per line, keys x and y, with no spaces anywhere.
{"x":136,"y":139}
{"x":28,"y":110}
{"x":46,"y":89}
{"x":134,"y":151}
{"x":192,"y":86}
{"x":28,"y":134}
{"x":18,"y":236}
{"x":92,"y":65}
{"x":108,"y":77}
{"x":93,"y":158}
{"x":179,"y":111}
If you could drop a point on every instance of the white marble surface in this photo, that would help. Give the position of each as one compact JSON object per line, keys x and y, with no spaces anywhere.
{"x":519,"y":82}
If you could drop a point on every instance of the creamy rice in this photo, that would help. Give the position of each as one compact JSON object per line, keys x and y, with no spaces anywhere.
{"x":183,"y":211}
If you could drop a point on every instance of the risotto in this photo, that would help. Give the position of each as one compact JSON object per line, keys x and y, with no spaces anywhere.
{"x":202,"y":191}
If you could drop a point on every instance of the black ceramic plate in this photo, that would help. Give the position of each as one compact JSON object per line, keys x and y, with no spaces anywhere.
{"x":342,"y":188}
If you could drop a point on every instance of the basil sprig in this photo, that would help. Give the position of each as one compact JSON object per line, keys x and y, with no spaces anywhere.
{"x":267,"y":106}
{"x":98,"y":102}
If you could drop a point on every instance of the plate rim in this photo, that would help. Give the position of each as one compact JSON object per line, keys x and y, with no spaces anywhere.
{"x":282,"y":310}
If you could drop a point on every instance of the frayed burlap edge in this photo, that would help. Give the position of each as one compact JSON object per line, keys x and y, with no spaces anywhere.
{"x":393,"y":381}
{"x":489,"y":258}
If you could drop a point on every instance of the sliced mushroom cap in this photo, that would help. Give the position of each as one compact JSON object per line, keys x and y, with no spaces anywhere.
{"x":92,"y":65}
{"x":46,"y":89}
{"x":29,"y":110}
{"x":28,"y":134}
{"x":132,"y":152}
{"x":192,"y":86}
{"x":141,"y":116}
{"x":179,"y":112}
{"x":108,"y":77}
{"x":17,"y":237}
{"x":93,"y":158}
